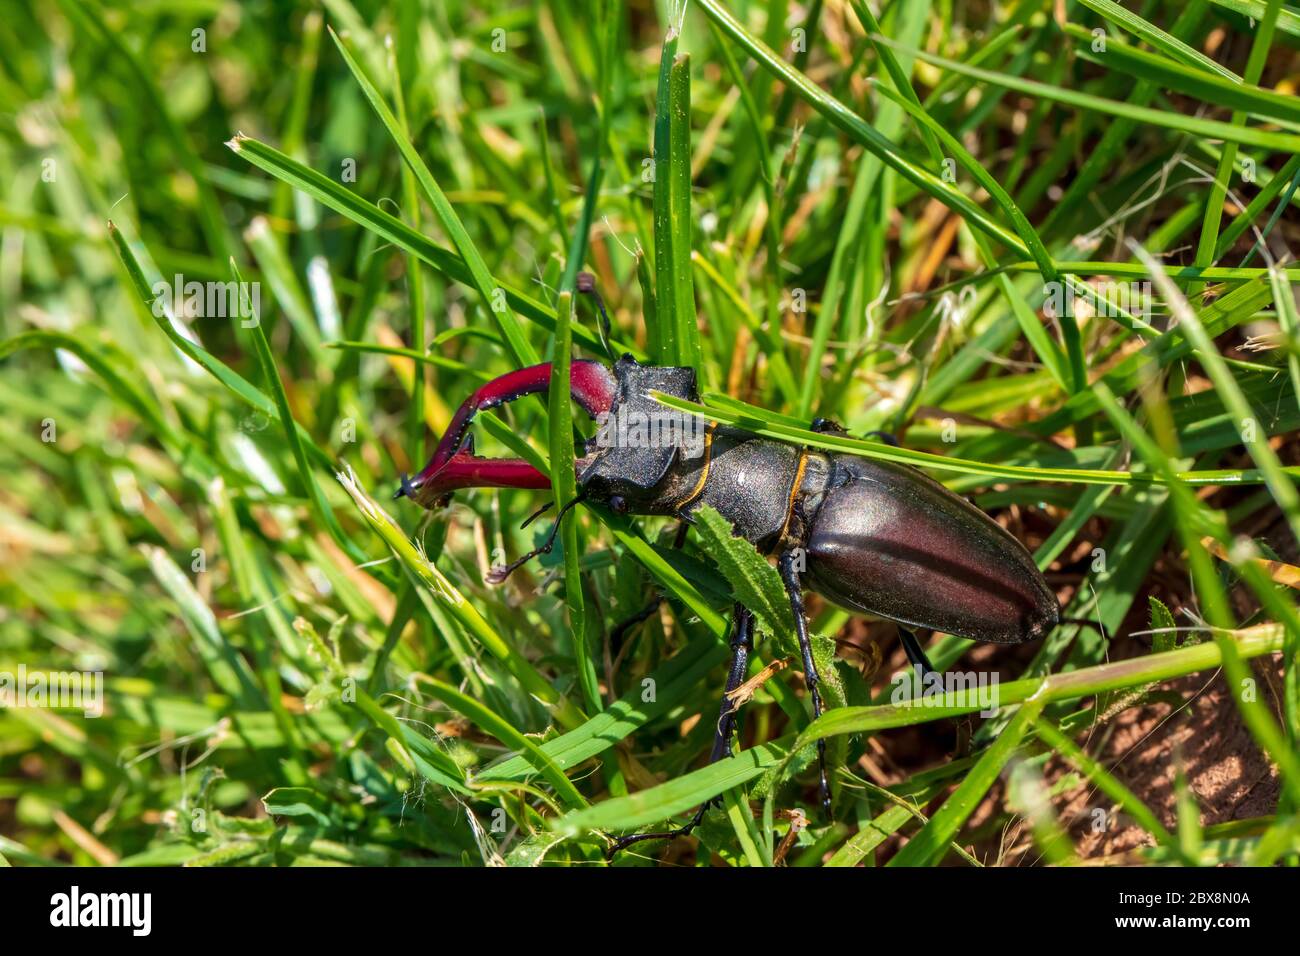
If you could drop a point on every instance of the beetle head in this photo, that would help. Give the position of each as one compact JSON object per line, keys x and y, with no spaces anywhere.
{"x":639,"y":438}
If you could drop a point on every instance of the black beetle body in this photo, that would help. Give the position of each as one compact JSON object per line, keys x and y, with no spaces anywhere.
{"x":878,"y":537}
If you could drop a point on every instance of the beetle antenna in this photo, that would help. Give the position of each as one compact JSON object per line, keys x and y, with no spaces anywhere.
{"x":499,"y":573}
{"x":536,"y":514}
{"x":587,"y":286}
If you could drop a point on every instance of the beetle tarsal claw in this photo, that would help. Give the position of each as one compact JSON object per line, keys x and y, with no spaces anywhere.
{"x":498,"y":573}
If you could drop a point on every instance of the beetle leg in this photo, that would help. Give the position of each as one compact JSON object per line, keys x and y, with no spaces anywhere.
{"x":915,"y":653}
{"x":794,"y":590}
{"x":587,"y":286}
{"x":618,"y":634}
{"x":827,"y":426}
{"x":742,"y":644}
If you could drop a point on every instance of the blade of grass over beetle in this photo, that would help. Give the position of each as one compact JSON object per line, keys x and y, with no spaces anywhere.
{"x":564,"y":488}
{"x":759,"y":423}
{"x":665,"y":310}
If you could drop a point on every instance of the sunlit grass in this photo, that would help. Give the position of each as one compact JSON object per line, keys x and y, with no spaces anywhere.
{"x":847,"y":210}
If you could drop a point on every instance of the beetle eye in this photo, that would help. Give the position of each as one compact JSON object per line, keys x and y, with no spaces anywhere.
{"x":618,"y":505}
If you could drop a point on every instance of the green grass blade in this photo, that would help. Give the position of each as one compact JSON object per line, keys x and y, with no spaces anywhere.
{"x":676,"y":796}
{"x":674,"y":682}
{"x":1284,"y":299}
{"x":1168,"y":44}
{"x":1070,"y":685}
{"x":1270,"y":467}
{"x":564,"y":488}
{"x":674,"y":284}
{"x":1104,"y":781}
{"x":389,"y":227}
{"x":228,"y":670}
{"x":1028,"y":235}
{"x":1211,"y":129}
{"x":232,"y":380}
{"x":491,"y":295}
{"x":1288,"y":20}
{"x":271,"y":374}
{"x":852,"y":124}
{"x":928,"y":845}
{"x":1210,"y":89}
{"x":1227,"y":159}
{"x":500,"y":728}
{"x":427,"y":574}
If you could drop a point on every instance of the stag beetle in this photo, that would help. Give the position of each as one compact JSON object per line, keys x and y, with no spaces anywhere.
{"x":873,"y":536}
